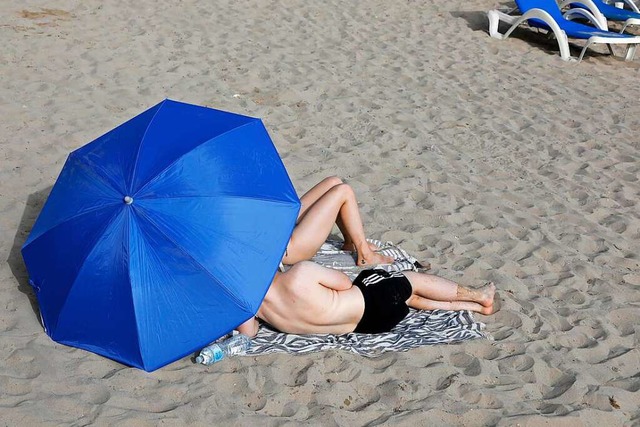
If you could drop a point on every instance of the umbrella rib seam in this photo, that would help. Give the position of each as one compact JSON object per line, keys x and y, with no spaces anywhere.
{"x":95,"y":170}
{"x":75,"y":279}
{"x":133,"y":304}
{"x":66,"y":220}
{"x":157,"y":175}
{"x":135,"y":163}
{"x":87,"y":166}
{"x":241,"y":303}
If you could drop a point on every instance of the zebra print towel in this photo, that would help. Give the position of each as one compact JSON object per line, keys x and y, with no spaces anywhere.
{"x":417,"y":329}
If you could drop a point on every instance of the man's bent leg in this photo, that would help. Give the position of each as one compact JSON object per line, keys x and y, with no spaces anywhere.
{"x":313,"y":195}
{"x":315,"y":226}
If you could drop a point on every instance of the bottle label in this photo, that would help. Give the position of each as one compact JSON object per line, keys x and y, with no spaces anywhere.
{"x":238,"y":344}
{"x":218,"y":354}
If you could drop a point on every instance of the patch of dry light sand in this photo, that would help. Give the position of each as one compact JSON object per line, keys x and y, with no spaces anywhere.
{"x":493,"y":160}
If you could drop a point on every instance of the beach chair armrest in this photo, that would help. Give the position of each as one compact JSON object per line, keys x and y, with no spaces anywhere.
{"x":597,"y":19}
{"x":495,"y":16}
{"x":630,"y":21}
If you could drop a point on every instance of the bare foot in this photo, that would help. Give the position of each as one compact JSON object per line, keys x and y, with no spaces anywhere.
{"x":374,"y":258}
{"x":486,"y":295}
{"x":487,"y":310}
{"x":492,"y":308}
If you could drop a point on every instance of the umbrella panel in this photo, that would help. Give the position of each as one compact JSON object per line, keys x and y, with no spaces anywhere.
{"x":53,"y":276}
{"x":223,"y":167}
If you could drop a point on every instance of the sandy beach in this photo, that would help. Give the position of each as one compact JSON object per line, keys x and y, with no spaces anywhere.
{"x":492,"y":160}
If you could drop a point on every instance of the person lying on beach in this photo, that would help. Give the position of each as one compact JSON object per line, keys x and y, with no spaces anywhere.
{"x":330,"y":202}
{"x":313,"y":299}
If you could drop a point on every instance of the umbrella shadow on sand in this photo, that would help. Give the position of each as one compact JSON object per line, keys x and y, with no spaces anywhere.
{"x":32,"y":209}
{"x":476,"y":20}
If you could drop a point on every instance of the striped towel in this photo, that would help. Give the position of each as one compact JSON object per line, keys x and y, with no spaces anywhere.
{"x":417,"y":329}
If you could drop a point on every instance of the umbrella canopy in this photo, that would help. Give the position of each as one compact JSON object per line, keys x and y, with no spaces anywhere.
{"x":162,"y":235}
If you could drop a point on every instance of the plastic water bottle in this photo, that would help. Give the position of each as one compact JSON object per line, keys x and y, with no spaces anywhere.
{"x":219,"y":350}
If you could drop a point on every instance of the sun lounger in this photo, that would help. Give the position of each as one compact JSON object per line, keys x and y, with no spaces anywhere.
{"x":609,"y":12}
{"x":546,"y":15}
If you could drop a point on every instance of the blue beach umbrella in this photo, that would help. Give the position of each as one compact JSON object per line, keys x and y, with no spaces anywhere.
{"x":161,"y":235}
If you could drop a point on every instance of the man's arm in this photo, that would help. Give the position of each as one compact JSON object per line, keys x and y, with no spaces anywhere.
{"x":249,"y":328}
{"x":330,"y":278}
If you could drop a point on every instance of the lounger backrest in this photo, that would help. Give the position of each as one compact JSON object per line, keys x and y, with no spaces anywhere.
{"x":549,"y":6}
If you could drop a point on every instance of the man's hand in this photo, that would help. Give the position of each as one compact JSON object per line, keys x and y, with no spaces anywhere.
{"x":249,"y":328}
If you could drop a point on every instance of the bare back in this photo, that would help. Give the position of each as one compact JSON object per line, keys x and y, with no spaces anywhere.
{"x":311,"y":299}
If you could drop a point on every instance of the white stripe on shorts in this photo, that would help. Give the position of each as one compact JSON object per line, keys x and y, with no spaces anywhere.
{"x":375,"y":277}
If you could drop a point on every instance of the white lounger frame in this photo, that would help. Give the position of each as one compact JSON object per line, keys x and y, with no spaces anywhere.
{"x":569,"y":14}
{"x":495,"y":16}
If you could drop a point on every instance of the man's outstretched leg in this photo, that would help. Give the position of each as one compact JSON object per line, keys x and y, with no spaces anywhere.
{"x":437,"y":293}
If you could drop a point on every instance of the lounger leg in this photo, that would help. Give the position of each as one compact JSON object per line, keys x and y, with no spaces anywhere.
{"x":563,"y":44}
{"x":585,"y":49}
{"x":494,"y":21}
{"x":631,"y":51}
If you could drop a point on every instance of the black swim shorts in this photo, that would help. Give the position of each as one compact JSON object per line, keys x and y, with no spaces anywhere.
{"x":385,"y":295}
